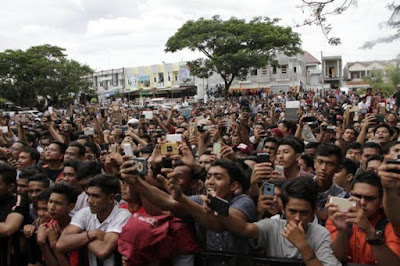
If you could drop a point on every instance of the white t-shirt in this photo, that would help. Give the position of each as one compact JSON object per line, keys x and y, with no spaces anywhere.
{"x":275,"y":245}
{"x":81,"y":203}
{"x":86,"y":220}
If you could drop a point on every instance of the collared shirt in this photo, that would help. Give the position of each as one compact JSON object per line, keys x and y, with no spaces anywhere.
{"x":86,"y":220}
{"x":359,"y":250}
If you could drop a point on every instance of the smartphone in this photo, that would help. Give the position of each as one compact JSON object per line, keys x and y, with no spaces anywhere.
{"x":89,"y":131}
{"x":169,"y":148}
{"x":114,"y":148}
{"x":308,"y":119}
{"x":269,"y":189}
{"x":393,"y":162}
{"x":3,"y":129}
{"x":217,"y":149}
{"x":280,"y":169}
{"x":148,"y":114}
{"x":379,"y":119}
{"x":343,"y":204}
{"x":263,"y":158}
{"x":174,"y":137}
{"x":127,"y":147}
{"x":219,"y":205}
{"x":10,"y":156}
{"x":141,"y":165}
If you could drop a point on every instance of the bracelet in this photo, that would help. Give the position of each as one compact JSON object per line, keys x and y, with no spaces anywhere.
{"x":87,"y":234}
{"x":312,"y":257}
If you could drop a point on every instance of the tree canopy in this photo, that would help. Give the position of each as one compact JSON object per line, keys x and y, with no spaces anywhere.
{"x":234,"y":46}
{"x":321,"y":10}
{"x":41,"y":71}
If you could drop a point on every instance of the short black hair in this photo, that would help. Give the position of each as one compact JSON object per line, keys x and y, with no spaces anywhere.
{"x":326,"y":149}
{"x":354,"y":146}
{"x":349,"y":166}
{"x":235,"y":171}
{"x":67,"y":190}
{"x":278,"y":182}
{"x":61,"y":145}
{"x":109,"y":184}
{"x":304,"y":188}
{"x":370,"y":178}
{"x":29,"y":171}
{"x":312,"y":145}
{"x":374,"y":158}
{"x":372,"y":145}
{"x":72,"y":163}
{"x":271,"y":139}
{"x":308,"y":160}
{"x":33,"y":153}
{"x":93,"y":148}
{"x":44,"y":195}
{"x":385,"y":126}
{"x":40,"y":178}
{"x":81,"y":148}
{"x":296,"y":144}
{"x":85,"y":169}
{"x":8,"y":174}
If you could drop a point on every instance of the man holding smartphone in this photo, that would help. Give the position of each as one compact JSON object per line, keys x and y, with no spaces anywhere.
{"x":370,"y":239}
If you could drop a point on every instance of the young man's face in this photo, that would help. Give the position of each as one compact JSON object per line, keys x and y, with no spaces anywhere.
{"x":185,"y":178}
{"x":299,"y":210}
{"x":382,"y":135}
{"x":98,"y":200}
{"x":53,"y":153}
{"x":22,"y":186}
{"x":342,"y":178}
{"x":354,"y":154}
{"x":205,"y":161}
{"x":325,"y":168}
{"x":72,"y":153}
{"x":58,"y":206}
{"x":42,"y":211}
{"x":286,"y":156}
{"x":349,"y":135}
{"x":270,"y":147}
{"x":219,"y":181}
{"x":34,"y":189}
{"x":24,"y":160}
{"x":69,"y":176}
{"x":367,"y":153}
{"x":394,"y":151}
{"x":373,"y":165}
{"x":370,"y":201}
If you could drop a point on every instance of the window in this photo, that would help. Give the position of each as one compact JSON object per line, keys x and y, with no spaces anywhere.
{"x":253,"y":72}
{"x":264,"y":71}
{"x":169,"y":76}
{"x":274,"y":70}
{"x":284,"y":69}
{"x":155,"y":79}
{"x":295,"y":69}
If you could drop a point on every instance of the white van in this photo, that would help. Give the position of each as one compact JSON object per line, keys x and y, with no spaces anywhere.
{"x":34,"y":113}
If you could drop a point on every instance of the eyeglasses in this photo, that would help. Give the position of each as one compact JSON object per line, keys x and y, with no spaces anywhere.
{"x":366,"y":198}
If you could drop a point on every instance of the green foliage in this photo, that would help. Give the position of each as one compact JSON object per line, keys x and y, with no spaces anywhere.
{"x":234,"y":46}
{"x":41,"y":71}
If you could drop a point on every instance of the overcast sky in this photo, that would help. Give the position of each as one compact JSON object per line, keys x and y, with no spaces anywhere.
{"x":125,"y":33}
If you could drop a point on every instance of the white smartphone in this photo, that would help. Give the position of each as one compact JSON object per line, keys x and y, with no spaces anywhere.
{"x":280,"y":169}
{"x":217,"y":149}
{"x":343,"y":204}
{"x":174,"y":137}
{"x":3,"y":129}
{"x":148,"y":114}
{"x":127,"y":149}
{"x":89,"y":131}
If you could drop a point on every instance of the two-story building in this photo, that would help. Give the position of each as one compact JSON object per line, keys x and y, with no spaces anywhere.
{"x":332,"y":71}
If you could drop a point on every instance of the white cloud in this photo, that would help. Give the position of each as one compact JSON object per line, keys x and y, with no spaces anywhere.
{"x":123,"y":33}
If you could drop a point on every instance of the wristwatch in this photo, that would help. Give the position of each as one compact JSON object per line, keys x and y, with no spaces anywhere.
{"x":378,"y":239}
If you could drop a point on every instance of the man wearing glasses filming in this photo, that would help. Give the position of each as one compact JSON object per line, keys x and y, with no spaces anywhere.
{"x":362,"y":234}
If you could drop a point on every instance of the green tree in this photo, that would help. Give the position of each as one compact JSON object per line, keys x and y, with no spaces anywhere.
{"x":41,"y":71}
{"x":232,"y":47}
{"x":391,"y":73}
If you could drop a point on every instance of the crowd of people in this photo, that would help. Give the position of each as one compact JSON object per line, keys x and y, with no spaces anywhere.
{"x":295,"y":175}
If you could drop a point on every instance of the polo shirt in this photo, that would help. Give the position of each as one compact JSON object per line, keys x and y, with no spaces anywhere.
{"x":359,"y":250}
{"x":86,"y":220}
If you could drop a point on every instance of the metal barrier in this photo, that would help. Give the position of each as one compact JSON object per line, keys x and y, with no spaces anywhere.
{"x":210,"y":258}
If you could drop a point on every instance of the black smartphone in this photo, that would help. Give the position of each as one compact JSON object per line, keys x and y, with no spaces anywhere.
{"x":219,"y":205}
{"x":263,"y":158}
{"x":393,"y":162}
{"x":308,"y":119}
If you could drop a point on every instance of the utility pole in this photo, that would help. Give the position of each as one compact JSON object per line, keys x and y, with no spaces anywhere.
{"x":322,"y":75}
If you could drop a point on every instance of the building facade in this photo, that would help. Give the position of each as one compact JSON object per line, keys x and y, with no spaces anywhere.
{"x":332,"y":71}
